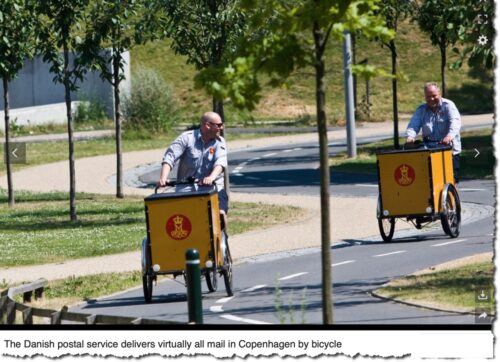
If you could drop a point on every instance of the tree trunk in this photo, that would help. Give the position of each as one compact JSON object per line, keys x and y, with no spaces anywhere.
{"x":67,"y":90}
{"x":10,"y":190}
{"x":118,"y":129}
{"x":394,"y":56}
{"x":218,"y":107}
{"x":442,"y":48}
{"x":326,"y":266}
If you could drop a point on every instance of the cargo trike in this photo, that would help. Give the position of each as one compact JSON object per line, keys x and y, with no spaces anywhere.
{"x":178,"y":221}
{"x":417,"y":185}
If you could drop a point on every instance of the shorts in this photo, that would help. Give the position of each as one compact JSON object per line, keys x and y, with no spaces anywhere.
{"x":223,"y":201}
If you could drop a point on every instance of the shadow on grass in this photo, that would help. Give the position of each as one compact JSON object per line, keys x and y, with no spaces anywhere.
{"x":473,"y":98}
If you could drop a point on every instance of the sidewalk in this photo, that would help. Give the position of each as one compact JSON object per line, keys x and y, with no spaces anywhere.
{"x":92,"y":175}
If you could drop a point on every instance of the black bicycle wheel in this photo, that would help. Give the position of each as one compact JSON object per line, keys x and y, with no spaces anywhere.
{"x":147,"y":286}
{"x":211,"y":278}
{"x":451,"y":214}
{"x":147,"y":277}
{"x":386,"y":228}
{"x":227,"y":271}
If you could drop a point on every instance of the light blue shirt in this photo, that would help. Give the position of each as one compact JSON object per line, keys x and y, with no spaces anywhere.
{"x":197,"y":159}
{"x":437,"y":125}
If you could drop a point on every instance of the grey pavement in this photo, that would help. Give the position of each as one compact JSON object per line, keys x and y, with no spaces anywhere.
{"x":93,"y":175}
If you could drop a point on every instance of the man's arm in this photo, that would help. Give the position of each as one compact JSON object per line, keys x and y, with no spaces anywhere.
{"x":455,"y":123}
{"x":414,"y":125}
{"x":213,"y":175}
{"x":165,"y":170}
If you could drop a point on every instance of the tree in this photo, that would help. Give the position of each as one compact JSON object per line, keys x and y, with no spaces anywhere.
{"x":395,"y":11}
{"x":61,"y":23}
{"x":205,"y":32}
{"x":441,"y":20}
{"x":112,"y":25}
{"x":296,"y":37}
{"x":16,"y":44}
{"x":476,"y":33}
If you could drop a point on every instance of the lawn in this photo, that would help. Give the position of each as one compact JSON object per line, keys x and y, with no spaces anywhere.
{"x":38,"y":231}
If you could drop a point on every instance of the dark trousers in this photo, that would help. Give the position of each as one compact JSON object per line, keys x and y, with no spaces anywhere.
{"x":456,"y":167}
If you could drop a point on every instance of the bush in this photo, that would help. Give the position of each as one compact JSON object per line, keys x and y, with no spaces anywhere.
{"x":91,"y":111}
{"x":150,"y":105}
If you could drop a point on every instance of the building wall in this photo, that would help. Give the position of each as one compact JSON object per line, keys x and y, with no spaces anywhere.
{"x":36,"y":99}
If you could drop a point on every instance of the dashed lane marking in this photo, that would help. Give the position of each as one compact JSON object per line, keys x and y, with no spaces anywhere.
{"x":270,"y":154}
{"x":449,"y":242}
{"x":293,"y":276}
{"x":244,"y":320}
{"x":387,"y":254}
{"x":365,"y":185}
{"x":224,"y":300}
{"x":216,"y":309}
{"x":254,"y":288}
{"x":344,"y":262}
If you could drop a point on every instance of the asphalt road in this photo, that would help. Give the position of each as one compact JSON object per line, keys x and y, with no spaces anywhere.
{"x":285,"y":288}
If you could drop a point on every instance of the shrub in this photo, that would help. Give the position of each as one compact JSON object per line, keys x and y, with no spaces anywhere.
{"x":91,"y":111}
{"x":150,"y":105}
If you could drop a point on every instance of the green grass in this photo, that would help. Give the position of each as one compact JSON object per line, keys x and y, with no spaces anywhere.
{"x":471,"y":166}
{"x":452,"y":287}
{"x":38,"y":153}
{"x":38,"y":231}
{"x":471,"y":89}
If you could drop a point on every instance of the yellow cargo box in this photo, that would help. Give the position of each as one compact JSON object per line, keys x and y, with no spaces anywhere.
{"x":178,"y":221}
{"x":411,"y":181}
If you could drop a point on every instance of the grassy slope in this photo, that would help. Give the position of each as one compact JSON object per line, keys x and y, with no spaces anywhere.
{"x":418,"y":59}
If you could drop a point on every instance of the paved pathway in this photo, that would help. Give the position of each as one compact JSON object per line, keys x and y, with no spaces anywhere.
{"x":93,"y":175}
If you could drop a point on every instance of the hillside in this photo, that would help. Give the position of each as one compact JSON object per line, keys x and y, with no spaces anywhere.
{"x":418,"y":59}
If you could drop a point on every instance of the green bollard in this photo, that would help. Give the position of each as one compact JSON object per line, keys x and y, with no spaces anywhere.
{"x":193,"y":276}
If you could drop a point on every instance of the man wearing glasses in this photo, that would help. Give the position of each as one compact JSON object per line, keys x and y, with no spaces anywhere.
{"x":201,"y":154}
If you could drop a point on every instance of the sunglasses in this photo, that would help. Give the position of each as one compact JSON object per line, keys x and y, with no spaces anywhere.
{"x":219,"y":125}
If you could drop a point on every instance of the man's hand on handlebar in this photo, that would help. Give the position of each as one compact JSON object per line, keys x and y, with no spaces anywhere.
{"x":162,"y":182}
{"x":447,"y":140}
{"x":207,"y":181}
{"x":410,"y":140}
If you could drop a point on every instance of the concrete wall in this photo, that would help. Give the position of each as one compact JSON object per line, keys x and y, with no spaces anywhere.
{"x":36,"y":99}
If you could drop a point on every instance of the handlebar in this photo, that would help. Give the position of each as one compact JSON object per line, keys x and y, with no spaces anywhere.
{"x":187,"y":181}
{"x":425,"y":145}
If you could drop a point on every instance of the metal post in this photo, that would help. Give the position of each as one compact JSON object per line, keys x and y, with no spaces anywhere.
{"x":193,"y":276}
{"x":349,"y":97}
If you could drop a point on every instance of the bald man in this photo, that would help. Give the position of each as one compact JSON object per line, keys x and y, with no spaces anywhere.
{"x":201,"y":154}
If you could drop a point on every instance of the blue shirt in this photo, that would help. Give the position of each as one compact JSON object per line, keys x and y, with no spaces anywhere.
{"x":197,"y":159}
{"x":437,"y":125}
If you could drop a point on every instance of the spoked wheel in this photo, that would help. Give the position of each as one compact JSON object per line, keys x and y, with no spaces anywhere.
{"x":211,"y":278}
{"x":386,"y":228}
{"x":450,"y":217}
{"x":227,"y":271}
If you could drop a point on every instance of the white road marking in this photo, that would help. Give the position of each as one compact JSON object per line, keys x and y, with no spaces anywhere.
{"x":344,"y":262}
{"x":297,"y":149}
{"x":365,"y":185}
{"x":461,"y":189}
{"x":270,"y":154}
{"x":394,"y":252}
{"x":237,"y":174}
{"x":293,"y":276}
{"x":253,"y":178}
{"x":450,"y":242}
{"x":244,"y":320}
{"x":254,"y":288}
{"x":216,"y":309}
{"x":282,"y":181}
{"x":289,"y":150}
{"x":224,"y":300}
